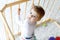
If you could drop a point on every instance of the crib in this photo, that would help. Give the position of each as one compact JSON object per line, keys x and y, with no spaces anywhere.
{"x":10,"y":31}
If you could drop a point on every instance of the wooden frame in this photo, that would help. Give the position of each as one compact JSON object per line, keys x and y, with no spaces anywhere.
{"x":38,"y":2}
{"x":12,"y":4}
{"x":49,"y":20}
{"x":7,"y":27}
{"x":46,"y":20}
{"x":8,"y":31}
{"x":6,"y":24}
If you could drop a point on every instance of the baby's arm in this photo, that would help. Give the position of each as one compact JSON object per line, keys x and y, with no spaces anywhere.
{"x":19,"y":22}
{"x":46,"y":20}
{"x":49,"y":20}
{"x":18,"y":34}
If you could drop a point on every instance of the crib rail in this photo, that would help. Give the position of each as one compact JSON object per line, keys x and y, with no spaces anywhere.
{"x":12,"y":4}
{"x":2,"y":14}
{"x":6,"y":26}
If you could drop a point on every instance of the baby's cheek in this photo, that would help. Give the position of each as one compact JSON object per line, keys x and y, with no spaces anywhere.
{"x":33,"y":19}
{"x":29,"y":17}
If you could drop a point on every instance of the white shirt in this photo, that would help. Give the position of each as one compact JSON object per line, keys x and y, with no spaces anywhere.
{"x":27,"y":28}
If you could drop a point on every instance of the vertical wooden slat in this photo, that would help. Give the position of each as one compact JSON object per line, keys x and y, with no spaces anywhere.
{"x":11,"y":19}
{"x":38,"y":2}
{"x":59,"y":7}
{"x":11,"y":37}
{"x":32,"y":5}
{"x":47,"y":4}
{"x":19,"y":16}
{"x":43,"y":3}
{"x":7,"y":35}
{"x":18,"y":12}
{"x":51,"y":7}
{"x":32,"y":2}
{"x":25,"y":10}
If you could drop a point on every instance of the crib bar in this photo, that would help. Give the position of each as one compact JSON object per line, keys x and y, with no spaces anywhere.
{"x":51,"y":7}
{"x":11,"y":18}
{"x":47,"y":4}
{"x":4,"y":8}
{"x":7,"y":35}
{"x":43,"y":3}
{"x":18,"y":15}
{"x":12,"y":4}
{"x":57,"y":24}
{"x":7,"y":27}
{"x":25,"y":10}
{"x":38,"y":2}
{"x":32,"y":4}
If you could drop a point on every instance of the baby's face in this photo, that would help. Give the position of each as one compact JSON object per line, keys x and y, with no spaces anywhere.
{"x":33,"y":16}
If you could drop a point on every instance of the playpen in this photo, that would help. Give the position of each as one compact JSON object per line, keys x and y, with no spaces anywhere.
{"x":10,"y":35}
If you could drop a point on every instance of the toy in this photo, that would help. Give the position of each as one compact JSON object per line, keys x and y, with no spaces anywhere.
{"x":34,"y":37}
{"x":44,"y":24}
{"x":52,"y":38}
{"x":57,"y":38}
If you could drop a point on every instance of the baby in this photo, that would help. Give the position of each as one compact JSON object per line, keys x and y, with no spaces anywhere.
{"x":29,"y":25}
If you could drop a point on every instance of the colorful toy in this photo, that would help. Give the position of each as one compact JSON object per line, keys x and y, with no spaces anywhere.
{"x":44,"y":24}
{"x":52,"y":38}
{"x":57,"y":38}
{"x":34,"y":37}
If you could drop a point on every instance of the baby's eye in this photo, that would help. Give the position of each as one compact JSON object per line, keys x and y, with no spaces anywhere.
{"x":34,"y":16}
{"x":31,"y":13}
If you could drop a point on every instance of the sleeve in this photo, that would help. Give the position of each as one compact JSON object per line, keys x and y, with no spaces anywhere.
{"x":19,"y":21}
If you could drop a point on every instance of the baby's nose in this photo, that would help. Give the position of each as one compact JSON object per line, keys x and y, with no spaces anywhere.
{"x":29,"y":17}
